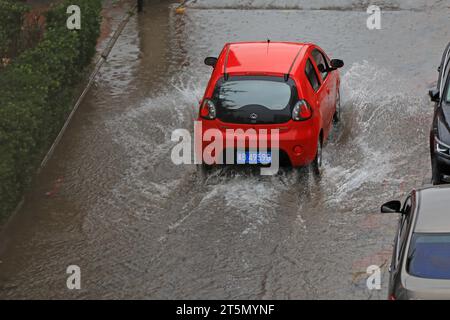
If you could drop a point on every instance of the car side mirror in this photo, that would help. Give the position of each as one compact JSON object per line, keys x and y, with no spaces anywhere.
{"x":434,"y":95}
{"x":391,"y":207}
{"x":211,"y":61}
{"x":336,"y":64}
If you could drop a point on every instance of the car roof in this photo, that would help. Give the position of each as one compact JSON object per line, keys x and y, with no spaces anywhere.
{"x":263,"y":57}
{"x":434,"y":210}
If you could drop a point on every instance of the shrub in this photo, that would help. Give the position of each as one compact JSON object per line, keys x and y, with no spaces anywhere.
{"x":36,"y":92}
{"x":11,"y":22}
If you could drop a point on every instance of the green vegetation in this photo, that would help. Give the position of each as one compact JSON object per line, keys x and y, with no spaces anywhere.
{"x":11,"y":22}
{"x":36,"y":92}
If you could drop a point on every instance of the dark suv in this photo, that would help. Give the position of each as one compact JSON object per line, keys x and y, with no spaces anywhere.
{"x":440,"y":131}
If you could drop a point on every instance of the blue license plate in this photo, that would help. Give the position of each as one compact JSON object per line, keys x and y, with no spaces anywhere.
{"x":253,"y":157}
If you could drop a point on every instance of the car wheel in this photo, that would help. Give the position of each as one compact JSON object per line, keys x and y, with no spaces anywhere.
{"x":337,"y":113}
{"x":436,"y":174}
{"x":317,"y":163}
{"x":203,"y":170}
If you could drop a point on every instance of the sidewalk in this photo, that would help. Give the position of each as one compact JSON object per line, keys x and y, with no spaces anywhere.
{"x":112,"y":13}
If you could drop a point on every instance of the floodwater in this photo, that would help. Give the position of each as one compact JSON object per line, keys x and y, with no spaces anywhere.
{"x":111,"y":201}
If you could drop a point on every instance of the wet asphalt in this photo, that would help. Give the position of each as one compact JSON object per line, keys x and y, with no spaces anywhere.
{"x":111,"y":201}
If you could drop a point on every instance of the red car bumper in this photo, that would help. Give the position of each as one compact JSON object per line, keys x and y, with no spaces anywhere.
{"x":298,"y":140}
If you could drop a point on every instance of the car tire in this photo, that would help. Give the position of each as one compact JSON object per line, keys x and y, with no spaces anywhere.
{"x":317,"y":162}
{"x":436,"y":174}
{"x":203,"y":170}
{"x":337,"y":113}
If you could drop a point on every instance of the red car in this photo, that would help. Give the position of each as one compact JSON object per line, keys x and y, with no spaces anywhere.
{"x":292,"y":87}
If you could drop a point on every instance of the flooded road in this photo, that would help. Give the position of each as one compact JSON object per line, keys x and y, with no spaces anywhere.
{"x":111,"y":201}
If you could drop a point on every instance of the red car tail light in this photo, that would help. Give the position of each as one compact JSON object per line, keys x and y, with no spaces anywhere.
{"x":208,"y":110}
{"x":302,"y":111}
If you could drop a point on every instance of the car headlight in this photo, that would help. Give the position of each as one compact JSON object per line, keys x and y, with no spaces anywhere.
{"x":442,"y":147}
